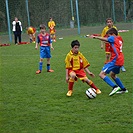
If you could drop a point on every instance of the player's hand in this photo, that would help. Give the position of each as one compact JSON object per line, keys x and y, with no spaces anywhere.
{"x":36,"y":47}
{"x":92,"y":36}
{"x":91,"y":74}
{"x":67,"y":79}
{"x":52,"y":48}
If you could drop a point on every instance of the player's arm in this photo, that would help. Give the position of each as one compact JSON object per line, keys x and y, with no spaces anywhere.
{"x":67,"y":76}
{"x":51,"y":46}
{"x":37,"y":43}
{"x":50,"y":41}
{"x":89,"y":72}
{"x":100,"y":38}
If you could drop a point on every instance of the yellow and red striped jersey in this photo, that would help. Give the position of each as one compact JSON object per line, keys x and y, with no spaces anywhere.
{"x":76,"y":61}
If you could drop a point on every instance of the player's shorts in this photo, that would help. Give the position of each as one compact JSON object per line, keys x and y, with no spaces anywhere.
{"x":79,"y":73}
{"x":52,"y":31}
{"x":107,"y":48}
{"x":45,"y":52}
{"x":107,"y":68}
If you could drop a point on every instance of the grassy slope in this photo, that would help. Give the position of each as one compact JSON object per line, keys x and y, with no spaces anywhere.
{"x":33,"y":103}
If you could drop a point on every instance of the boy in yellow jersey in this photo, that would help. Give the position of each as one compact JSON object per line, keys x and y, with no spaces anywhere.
{"x":76,"y":65}
{"x":51,"y":25}
{"x":109,"y":23}
{"x":31,"y":31}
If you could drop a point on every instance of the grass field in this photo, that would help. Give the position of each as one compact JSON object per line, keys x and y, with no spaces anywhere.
{"x":33,"y":103}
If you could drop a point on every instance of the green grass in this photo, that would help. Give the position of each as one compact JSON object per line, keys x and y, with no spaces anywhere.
{"x":33,"y":103}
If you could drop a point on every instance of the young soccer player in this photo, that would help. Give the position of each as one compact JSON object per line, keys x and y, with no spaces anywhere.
{"x":76,"y":65}
{"x":51,"y":25}
{"x":45,"y":44}
{"x":109,"y":24}
{"x":115,"y":63}
{"x":31,"y":31}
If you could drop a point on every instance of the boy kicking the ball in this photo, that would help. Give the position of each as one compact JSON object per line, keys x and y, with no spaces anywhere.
{"x":115,"y":63}
{"x":76,"y":65}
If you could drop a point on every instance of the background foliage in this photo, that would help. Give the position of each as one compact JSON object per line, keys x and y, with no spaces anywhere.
{"x":90,"y":12}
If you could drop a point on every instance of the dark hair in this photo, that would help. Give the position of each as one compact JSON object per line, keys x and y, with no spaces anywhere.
{"x":42,"y":26}
{"x":75,"y":42}
{"x":109,"y":19}
{"x":112,"y":31}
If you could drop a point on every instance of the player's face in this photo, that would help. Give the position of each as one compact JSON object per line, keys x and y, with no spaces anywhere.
{"x":43,"y":30}
{"x":75,"y":49}
{"x":109,"y":23}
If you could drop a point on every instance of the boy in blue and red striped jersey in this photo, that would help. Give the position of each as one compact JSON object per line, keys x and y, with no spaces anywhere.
{"x":115,"y":63}
{"x":45,"y":44}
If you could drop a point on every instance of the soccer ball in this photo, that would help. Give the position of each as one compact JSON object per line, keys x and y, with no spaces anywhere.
{"x":91,"y":93}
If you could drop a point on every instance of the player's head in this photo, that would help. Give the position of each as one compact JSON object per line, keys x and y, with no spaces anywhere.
{"x":42,"y":28}
{"x":50,"y":18}
{"x":109,"y":22}
{"x":112,"y":31}
{"x":75,"y":46}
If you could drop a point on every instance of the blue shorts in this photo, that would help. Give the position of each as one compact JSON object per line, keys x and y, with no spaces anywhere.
{"x":45,"y":52}
{"x":107,"y":68}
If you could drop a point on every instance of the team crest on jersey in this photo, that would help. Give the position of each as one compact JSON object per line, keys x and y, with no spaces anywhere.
{"x":47,"y":37}
{"x":81,"y":61}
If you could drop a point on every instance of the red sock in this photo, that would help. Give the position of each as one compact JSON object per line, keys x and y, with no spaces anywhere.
{"x":93,"y":86}
{"x":70,"y":86}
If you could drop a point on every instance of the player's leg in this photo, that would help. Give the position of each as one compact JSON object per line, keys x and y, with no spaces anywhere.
{"x":48,"y":56}
{"x":92,"y":85}
{"x":118,"y":81}
{"x":48,"y":66}
{"x":71,"y":83}
{"x":42,"y":56}
{"x":106,"y":70}
{"x":40,"y":66}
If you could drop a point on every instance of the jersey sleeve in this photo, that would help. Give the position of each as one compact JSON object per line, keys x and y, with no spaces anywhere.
{"x":67,"y":62}
{"x":111,"y":39}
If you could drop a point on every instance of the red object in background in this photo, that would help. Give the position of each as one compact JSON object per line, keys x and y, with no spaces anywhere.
{"x":4,"y":45}
{"x":96,"y":34}
{"x":23,"y":43}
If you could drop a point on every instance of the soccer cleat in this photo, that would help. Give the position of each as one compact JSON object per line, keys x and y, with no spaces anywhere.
{"x":50,"y":70}
{"x":123,"y":69}
{"x":114,"y":91}
{"x":121,"y":91}
{"x":54,"y":40}
{"x":69,"y":93}
{"x":38,"y":71}
{"x":98,"y":91}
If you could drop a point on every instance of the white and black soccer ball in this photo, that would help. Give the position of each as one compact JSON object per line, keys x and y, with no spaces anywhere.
{"x":91,"y":93}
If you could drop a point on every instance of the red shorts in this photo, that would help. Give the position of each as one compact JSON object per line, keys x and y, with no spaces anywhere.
{"x":52,"y":31}
{"x":79,"y":73}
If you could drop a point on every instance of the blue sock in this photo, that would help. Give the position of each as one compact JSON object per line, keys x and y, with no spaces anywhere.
{"x":119,"y":83}
{"x":48,"y":67}
{"x":40,"y":66}
{"x":109,"y":81}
